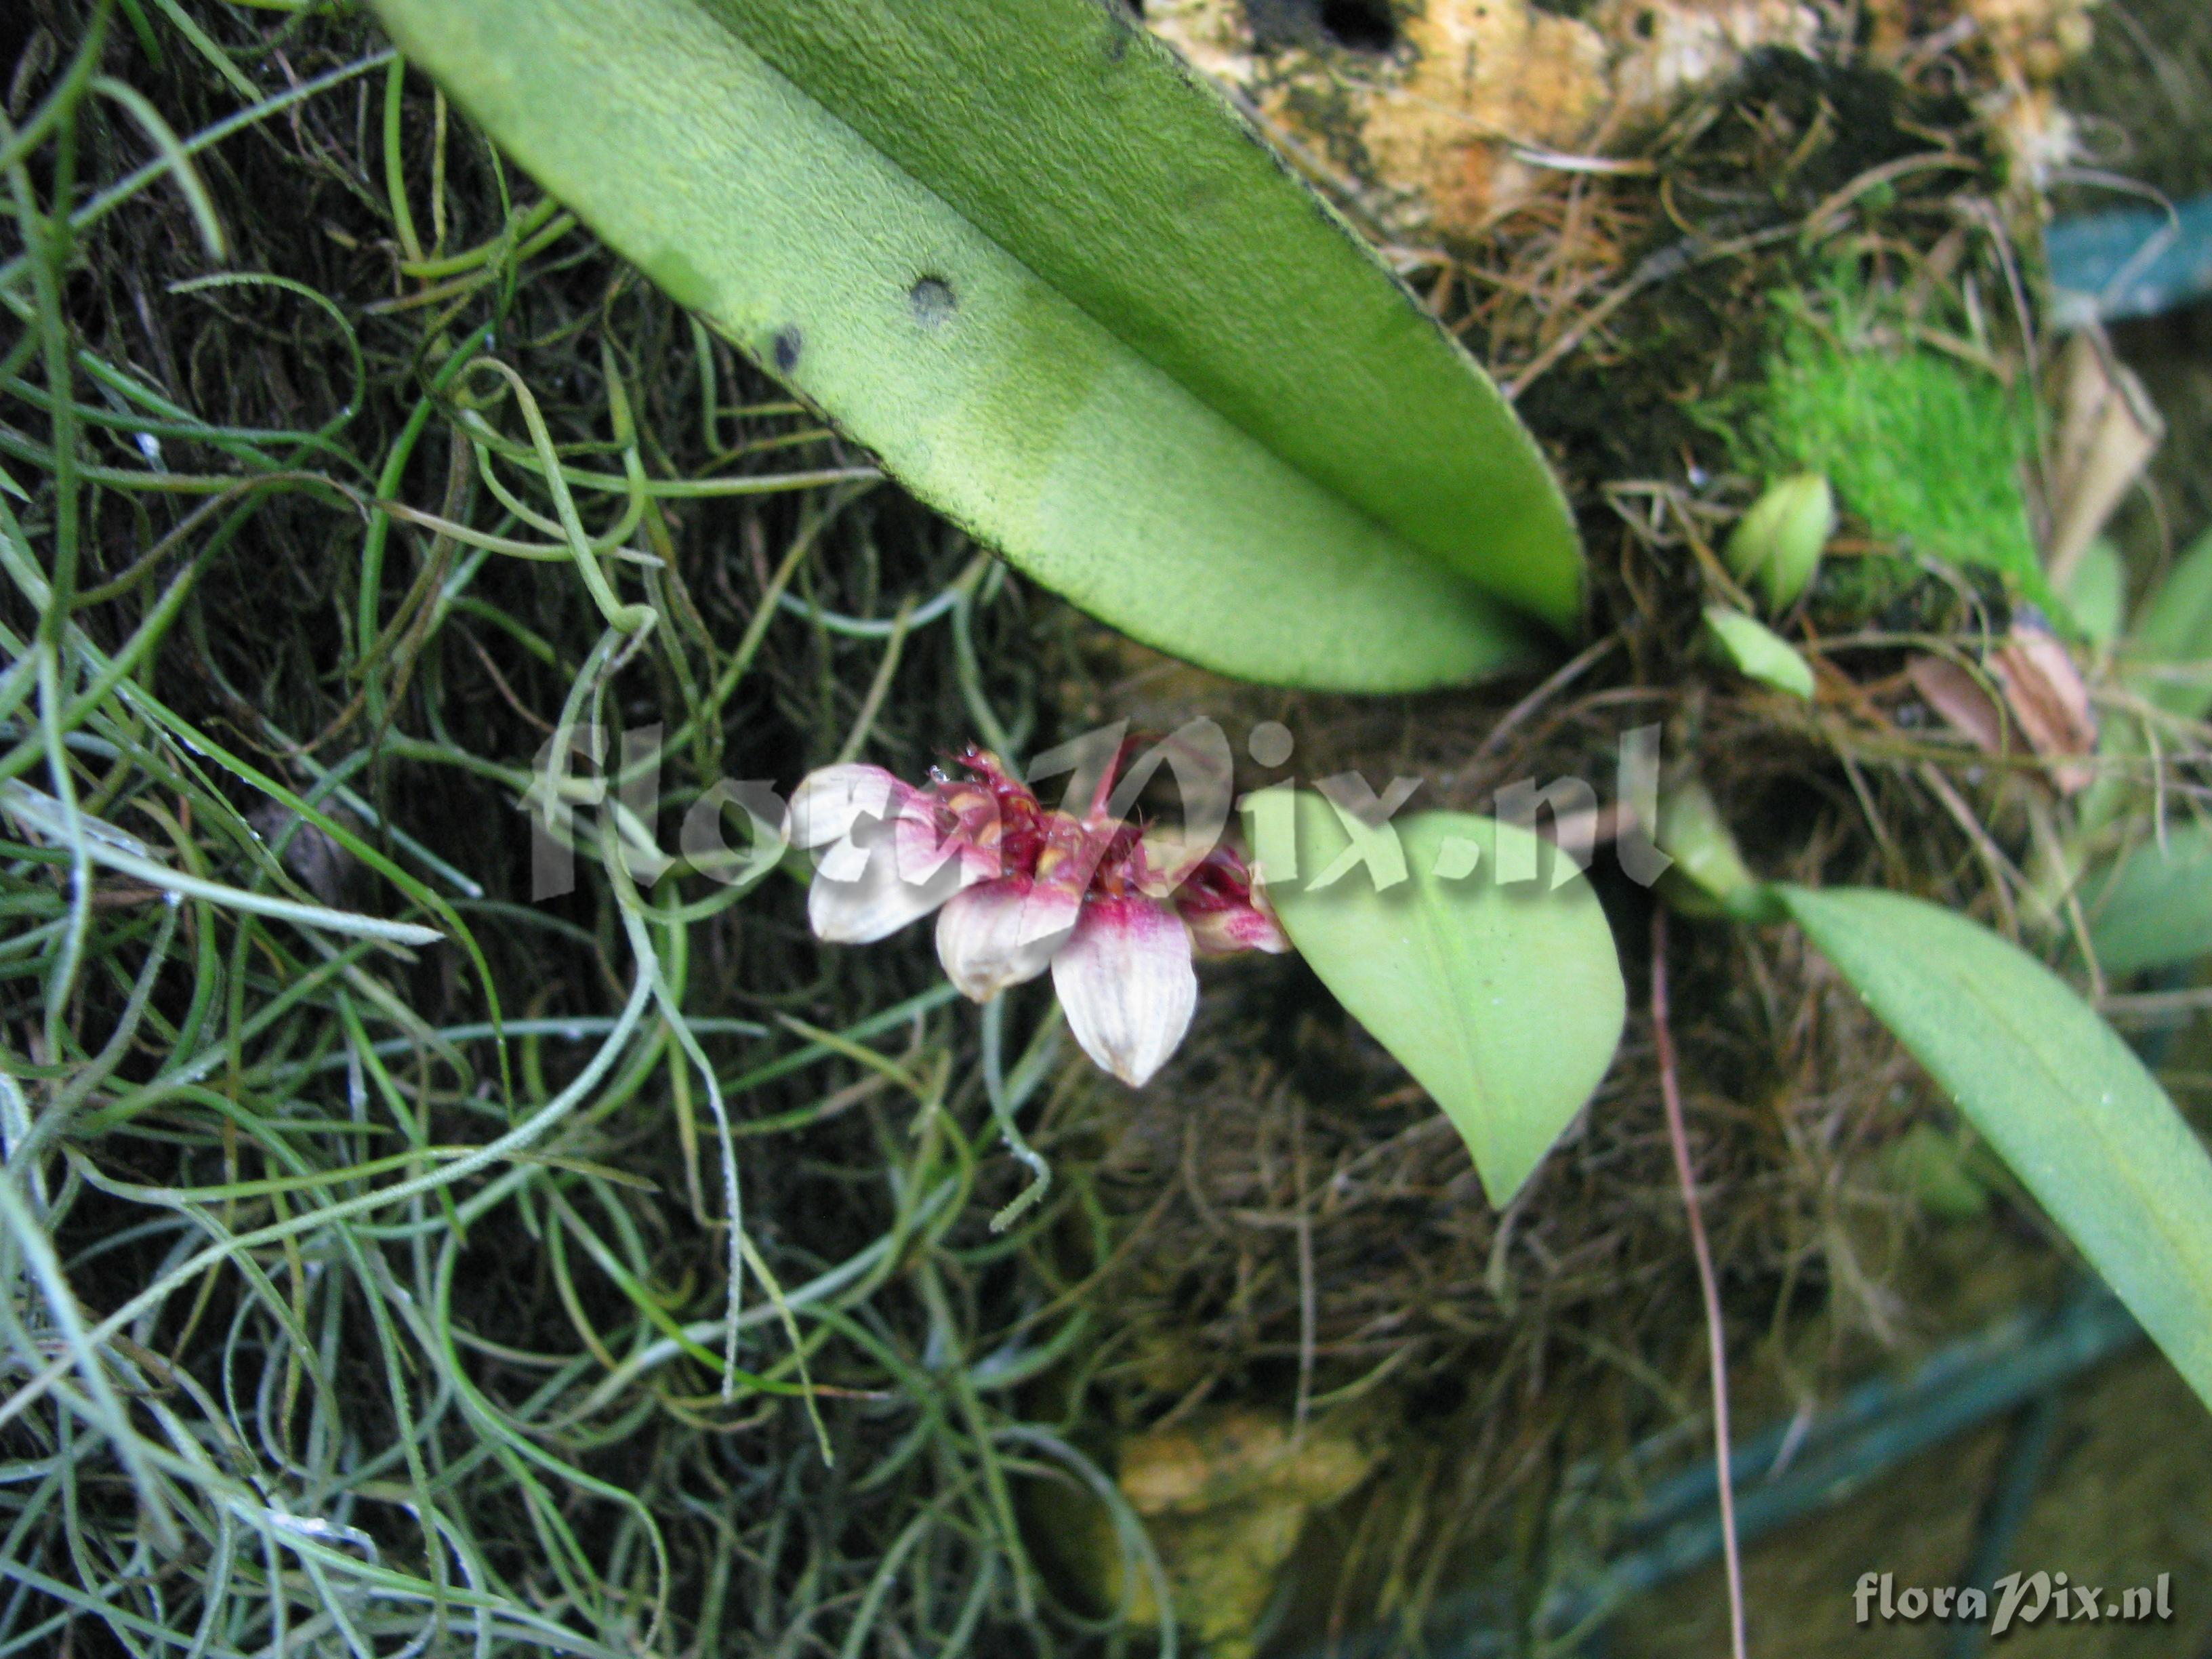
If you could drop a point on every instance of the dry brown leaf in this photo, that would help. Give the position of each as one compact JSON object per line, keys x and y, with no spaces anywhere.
{"x":2107,"y":434}
{"x":1962,"y":700}
{"x":2044,"y":690}
{"x":2044,"y":702}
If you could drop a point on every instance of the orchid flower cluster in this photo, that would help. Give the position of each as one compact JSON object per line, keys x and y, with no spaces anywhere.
{"x":1116,"y":915}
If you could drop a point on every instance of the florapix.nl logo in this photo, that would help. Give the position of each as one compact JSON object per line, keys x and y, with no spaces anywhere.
{"x":2016,"y":1601}
{"x":602,"y":793}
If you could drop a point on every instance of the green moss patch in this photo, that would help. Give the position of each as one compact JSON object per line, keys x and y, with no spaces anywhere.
{"x":1926,"y":449}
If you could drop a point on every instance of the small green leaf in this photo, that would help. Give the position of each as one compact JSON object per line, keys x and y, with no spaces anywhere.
{"x":1757,"y":652}
{"x":2155,"y":906}
{"x":2097,"y":592}
{"x":2174,"y":632}
{"x":1024,"y":254}
{"x":2047,"y":1083}
{"x":1933,"y":1169}
{"x":1709,"y":877}
{"x":1503,"y":998}
{"x":2166,"y":659}
{"x":1777,"y":545}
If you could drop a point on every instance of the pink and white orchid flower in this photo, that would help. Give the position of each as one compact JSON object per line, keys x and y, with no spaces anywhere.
{"x":1018,"y":887}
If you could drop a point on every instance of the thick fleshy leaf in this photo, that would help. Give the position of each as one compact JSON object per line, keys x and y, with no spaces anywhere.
{"x":1502,"y":998}
{"x":1025,"y":255}
{"x":2155,"y":906}
{"x":2047,"y":1083}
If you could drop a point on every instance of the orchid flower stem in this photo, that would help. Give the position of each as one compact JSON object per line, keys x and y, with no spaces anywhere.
{"x":987,"y":724}
{"x":1677,"y":1133}
{"x":1002,"y":1108}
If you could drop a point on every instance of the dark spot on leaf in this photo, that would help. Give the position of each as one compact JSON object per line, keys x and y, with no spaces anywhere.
{"x":933,"y":302}
{"x":786,"y":346}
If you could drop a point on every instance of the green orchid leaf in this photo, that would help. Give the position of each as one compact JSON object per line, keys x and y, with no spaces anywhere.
{"x":1066,"y":294}
{"x":2170,"y":649}
{"x":1474,"y":951}
{"x":1709,"y":877}
{"x":1757,"y":652}
{"x":2097,"y":592}
{"x":1934,"y":1169}
{"x":2048,"y":1084}
{"x":2165,"y":659}
{"x":2154,"y":906}
{"x":1777,"y":544}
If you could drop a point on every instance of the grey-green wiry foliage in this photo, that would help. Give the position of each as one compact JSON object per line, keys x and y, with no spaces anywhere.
{"x":368,"y":1295}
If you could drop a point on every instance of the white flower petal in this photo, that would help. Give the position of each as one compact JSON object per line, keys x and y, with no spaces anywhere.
{"x":878,"y":901}
{"x":1002,"y":933}
{"x":1126,"y":981}
{"x":830,"y":801}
